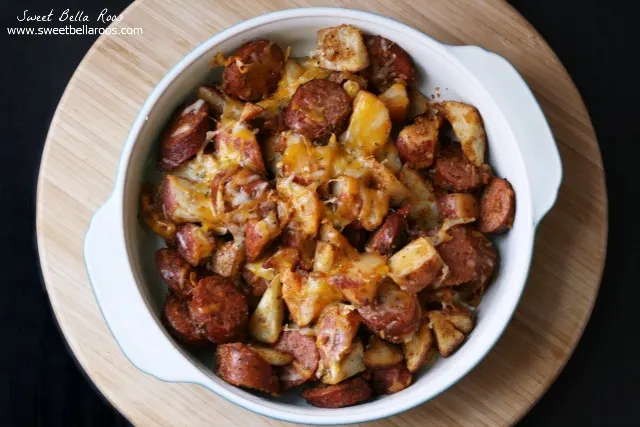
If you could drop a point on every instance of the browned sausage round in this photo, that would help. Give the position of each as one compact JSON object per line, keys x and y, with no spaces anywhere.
{"x":356,"y":235}
{"x":220,"y":309}
{"x":302,"y":348}
{"x":346,"y":393}
{"x":254,"y":70}
{"x":462,"y":206}
{"x":454,"y":172}
{"x":391,"y":380}
{"x":497,"y":207}
{"x":389,"y":63}
{"x":290,"y":376}
{"x":470,"y":257}
{"x":184,"y":135}
{"x":318,"y":108}
{"x":394,"y":315}
{"x":238,"y":365}
{"x":390,"y":236}
{"x":176,"y":272}
{"x":176,"y":317}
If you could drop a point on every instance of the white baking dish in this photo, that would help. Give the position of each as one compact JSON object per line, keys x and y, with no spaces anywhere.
{"x":119,"y":251}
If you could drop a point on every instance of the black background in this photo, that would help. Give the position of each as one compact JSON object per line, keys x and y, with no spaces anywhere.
{"x":41,"y":383}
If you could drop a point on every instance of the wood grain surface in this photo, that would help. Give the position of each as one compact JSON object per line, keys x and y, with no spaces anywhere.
{"x":99,"y":105}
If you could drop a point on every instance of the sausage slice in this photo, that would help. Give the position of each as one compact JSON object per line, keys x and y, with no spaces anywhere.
{"x":318,"y":108}
{"x":177,"y":320}
{"x":390,"y":236}
{"x":238,"y":365}
{"x":497,"y":207}
{"x":305,"y":354}
{"x":220,"y":309}
{"x":176,"y":272}
{"x":389,"y":62}
{"x":470,"y":256}
{"x":346,"y":393}
{"x":454,"y":172}
{"x":184,"y":135}
{"x":254,"y":70}
{"x":394,"y":315}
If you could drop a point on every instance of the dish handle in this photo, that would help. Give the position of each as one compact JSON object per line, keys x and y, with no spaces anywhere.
{"x":527,"y":121}
{"x":135,"y":329}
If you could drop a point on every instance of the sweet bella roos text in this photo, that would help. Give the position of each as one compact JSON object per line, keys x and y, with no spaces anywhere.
{"x":68,"y":16}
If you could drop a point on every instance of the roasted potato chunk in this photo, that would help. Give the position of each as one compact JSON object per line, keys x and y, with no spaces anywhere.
{"x":450,"y":326}
{"x":417,"y":142}
{"x":306,"y":295}
{"x":342,"y":48}
{"x":423,"y":206}
{"x":195,"y":244}
{"x":459,"y":207}
{"x":389,"y":157}
{"x":307,"y":206}
{"x":237,"y":144}
{"x":416,"y":265}
{"x":468,"y":126}
{"x":358,"y":278}
{"x":386,"y":181}
{"x":381,"y":354}
{"x":324,"y":258}
{"x":271,"y":355}
{"x":369,"y":126}
{"x":350,"y":365}
{"x":153,"y":215}
{"x":420,"y":350}
{"x":258,"y":233}
{"x":336,"y":330}
{"x":265,"y":323}
{"x":184,"y":201}
{"x":396,"y":99}
{"x":228,"y":259}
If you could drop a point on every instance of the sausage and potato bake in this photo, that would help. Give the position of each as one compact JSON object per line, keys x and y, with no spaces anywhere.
{"x":325,"y":223}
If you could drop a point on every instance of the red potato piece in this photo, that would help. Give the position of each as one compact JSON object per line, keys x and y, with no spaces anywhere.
{"x":153,"y":216}
{"x":185,"y":201}
{"x":416,"y":266}
{"x":238,"y":365}
{"x":389,"y":63}
{"x":346,"y":393}
{"x":394,"y":314}
{"x":318,"y":108}
{"x":254,"y":70}
{"x":228,"y":259}
{"x":497,"y":207}
{"x":459,"y":206}
{"x":391,"y":380}
{"x":470,"y":256}
{"x":176,"y":272}
{"x":417,"y":142}
{"x":336,"y":329}
{"x":258,"y":233}
{"x":390,"y":236}
{"x":184,"y":135}
{"x":238,"y":144}
{"x":290,"y":377}
{"x":220,"y":309}
{"x":255,"y":286}
{"x":455,"y":173}
{"x":177,"y":320}
{"x":214,"y":97}
{"x":306,"y":247}
{"x":194,"y":244}
{"x":304,"y":351}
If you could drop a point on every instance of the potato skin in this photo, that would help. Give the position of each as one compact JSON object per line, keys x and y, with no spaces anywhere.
{"x":302,"y":348}
{"x":394,"y":314}
{"x":263,"y":63}
{"x":184,"y":135}
{"x":391,"y":380}
{"x":176,"y":272}
{"x":220,"y":309}
{"x":417,"y":142}
{"x":238,"y":365}
{"x":497,"y":207}
{"x":346,"y":393}
{"x":194,"y":244}
{"x":459,"y":206}
{"x":177,"y":320}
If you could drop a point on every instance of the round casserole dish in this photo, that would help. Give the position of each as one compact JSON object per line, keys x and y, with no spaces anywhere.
{"x":119,"y":250}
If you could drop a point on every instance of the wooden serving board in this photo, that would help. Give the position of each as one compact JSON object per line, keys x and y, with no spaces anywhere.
{"x":114,"y":79}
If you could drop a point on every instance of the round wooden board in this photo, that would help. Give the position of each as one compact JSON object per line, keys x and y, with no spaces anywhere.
{"x":114,"y":79}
